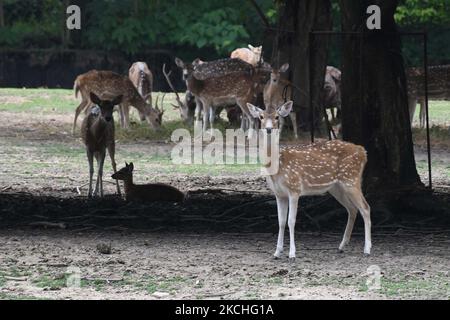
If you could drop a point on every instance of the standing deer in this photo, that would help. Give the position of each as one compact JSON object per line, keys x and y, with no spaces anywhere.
{"x":97,"y":132}
{"x":100,"y":82}
{"x":333,"y":166}
{"x":146,"y":192}
{"x":438,"y":88}
{"x":251,"y":55}
{"x":142,"y":78}
{"x":276,"y":92}
{"x":332,"y":91}
{"x":226,"y":81}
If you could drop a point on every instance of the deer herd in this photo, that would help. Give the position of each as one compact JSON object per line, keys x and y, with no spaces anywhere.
{"x":235,"y":84}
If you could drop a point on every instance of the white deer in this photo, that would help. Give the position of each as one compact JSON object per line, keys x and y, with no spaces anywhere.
{"x":329,"y":166}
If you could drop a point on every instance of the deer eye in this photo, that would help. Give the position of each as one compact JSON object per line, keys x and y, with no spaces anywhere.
{"x":261,"y":117}
{"x":277,"y":117}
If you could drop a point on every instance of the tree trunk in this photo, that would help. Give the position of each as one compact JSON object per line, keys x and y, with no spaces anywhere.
{"x":2,"y":15}
{"x":297,"y":19}
{"x":374,"y":100}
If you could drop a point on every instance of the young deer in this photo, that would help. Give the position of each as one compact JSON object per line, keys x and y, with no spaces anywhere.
{"x":221,"y":82}
{"x":276,"y":92}
{"x":251,"y":55}
{"x":112,"y":83}
{"x":97,"y":132}
{"x":146,"y":192}
{"x":142,"y":78}
{"x":333,"y":166}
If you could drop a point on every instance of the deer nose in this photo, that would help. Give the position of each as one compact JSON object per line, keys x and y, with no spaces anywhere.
{"x":269,"y":130}
{"x":108,"y":119}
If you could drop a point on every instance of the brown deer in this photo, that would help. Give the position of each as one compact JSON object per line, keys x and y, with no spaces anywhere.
{"x":100,"y":82}
{"x":146,"y":192}
{"x":226,"y":81}
{"x":276,"y":92}
{"x":329,"y":166}
{"x":251,"y":55}
{"x":142,"y":78}
{"x":438,"y":88}
{"x":97,"y":132}
{"x":332,"y":91}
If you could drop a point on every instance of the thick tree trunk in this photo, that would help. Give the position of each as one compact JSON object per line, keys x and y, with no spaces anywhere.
{"x":297,"y":19}
{"x":374,"y":100}
{"x":2,"y":15}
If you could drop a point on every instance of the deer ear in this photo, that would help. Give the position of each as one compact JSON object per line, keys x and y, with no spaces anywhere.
{"x":254,"y":110}
{"x":94,"y":98}
{"x":117,"y":100}
{"x":284,"y":67}
{"x":251,"y":47}
{"x":179,"y":62}
{"x":285,"y":109}
{"x":131,"y":166}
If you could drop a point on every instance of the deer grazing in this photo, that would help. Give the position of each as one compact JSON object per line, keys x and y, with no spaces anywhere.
{"x":438,"y":88}
{"x":142,"y":78}
{"x":329,"y":166}
{"x":276,"y":92}
{"x":221,"y":82}
{"x":100,"y":82}
{"x":97,"y":132}
{"x":146,"y":192}
{"x":251,"y":55}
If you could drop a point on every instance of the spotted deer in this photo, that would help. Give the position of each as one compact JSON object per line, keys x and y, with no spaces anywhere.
{"x":276,"y":92}
{"x":100,"y":82}
{"x":97,"y":133}
{"x":438,"y":88}
{"x":251,"y":55}
{"x":146,"y":192}
{"x":331,"y":166}
{"x":221,"y":82}
{"x":142,"y":78}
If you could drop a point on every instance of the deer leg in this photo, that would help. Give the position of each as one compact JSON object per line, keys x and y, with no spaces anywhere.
{"x":293,"y":204}
{"x":80,"y":108}
{"x":356,"y":197}
{"x":212,"y":118}
{"x":206,"y":111}
{"x":90,"y":157}
{"x":197,"y":114}
{"x":339,"y":195}
{"x":112,"y":152}
{"x":282,"y":208}
{"x":100,"y":162}
{"x":126,"y":117}
{"x":422,"y":113}
{"x":293,"y":117}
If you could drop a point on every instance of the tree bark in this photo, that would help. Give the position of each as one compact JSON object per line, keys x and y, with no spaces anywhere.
{"x":374,"y":99}
{"x":297,"y":19}
{"x":2,"y":15}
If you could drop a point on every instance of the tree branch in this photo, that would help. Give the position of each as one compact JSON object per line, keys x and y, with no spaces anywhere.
{"x":260,"y":13}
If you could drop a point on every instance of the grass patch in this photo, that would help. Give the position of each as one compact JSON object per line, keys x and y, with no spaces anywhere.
{"x":169,"y":285}
{"x":54,"y":283}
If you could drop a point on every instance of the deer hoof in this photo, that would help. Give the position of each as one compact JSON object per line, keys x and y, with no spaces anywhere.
{"x":291,"y":259}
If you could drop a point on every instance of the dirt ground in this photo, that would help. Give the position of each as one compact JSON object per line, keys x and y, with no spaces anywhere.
{"x":219,"y":244}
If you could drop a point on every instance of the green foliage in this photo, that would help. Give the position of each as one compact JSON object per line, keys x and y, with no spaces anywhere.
{"x":423,"y":12}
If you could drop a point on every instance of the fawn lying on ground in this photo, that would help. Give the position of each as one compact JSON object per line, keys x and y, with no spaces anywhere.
{"x":146,"y":192}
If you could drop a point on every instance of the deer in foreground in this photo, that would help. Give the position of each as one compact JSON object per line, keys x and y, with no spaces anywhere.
{"x":333,"y":166}
{"x":97,"y":132}
{"x":251,"y":55}
{"x":142,"y":78}
{"x":221,"y":82}
{"x":438,"y":88}
{"x":146,"y":192}
{"x":276,"y":92}
{"x":100,"y":82}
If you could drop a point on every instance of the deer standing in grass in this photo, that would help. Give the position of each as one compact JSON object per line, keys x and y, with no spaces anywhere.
{"x":142,"y":78}
{"x":333,"y":166}
{"x":276,"y":92}
{"x":146,"y":192}
{"x":221,"y":82}
{"x":100,"y":82}
{"x":97,"y":132}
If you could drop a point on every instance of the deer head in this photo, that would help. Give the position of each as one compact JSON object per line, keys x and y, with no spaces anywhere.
{"x":126,"y":173}
{"x":275,"y":74}
{"x":106,"y":106}
{"x":270,"y":120}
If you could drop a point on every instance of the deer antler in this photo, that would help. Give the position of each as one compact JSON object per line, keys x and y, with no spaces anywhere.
{"x":156,"y":103}
{"x":162,"y":103}
{"x":167,"y":75}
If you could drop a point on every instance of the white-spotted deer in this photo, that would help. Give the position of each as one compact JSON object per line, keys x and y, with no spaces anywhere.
{"x":276,"y":92}
{"x":101,"y":82}
{"x":142,"y":78}
{"x":438,"y":88}
{"x":146,"y":192}
{"x":251,"y":55}
{"x":97,"y":132}
{"x":333,"y":166}
{"x":222,"y":82}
